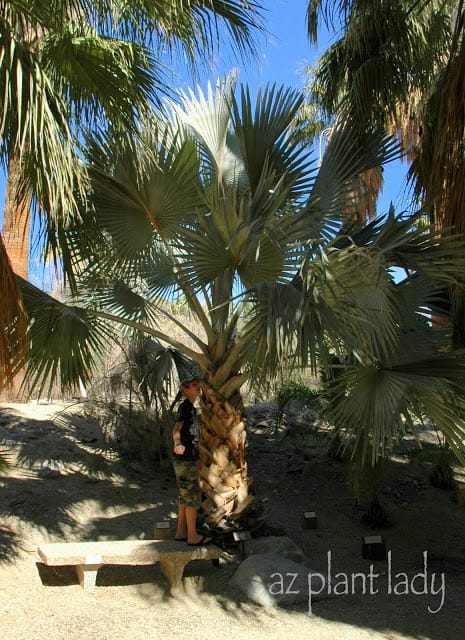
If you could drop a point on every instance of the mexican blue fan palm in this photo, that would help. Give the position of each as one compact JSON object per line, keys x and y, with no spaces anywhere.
{"x":222,"y":207}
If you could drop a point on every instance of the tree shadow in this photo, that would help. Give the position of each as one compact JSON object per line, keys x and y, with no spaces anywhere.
{"x":10,"y":544}
{"x":67,"y":472}
{"x":99,"y":494}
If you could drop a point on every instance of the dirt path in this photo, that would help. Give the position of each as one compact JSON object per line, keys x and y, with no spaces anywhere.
{"x":74,"y":486}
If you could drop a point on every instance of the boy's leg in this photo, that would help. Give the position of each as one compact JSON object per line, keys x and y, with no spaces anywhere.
{"x":181,"y":531}
{"x":187,"y":476}
{"x":191,"y":520}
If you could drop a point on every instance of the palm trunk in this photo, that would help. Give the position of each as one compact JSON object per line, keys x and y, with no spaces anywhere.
{"x":14,"y":255}
{"x":223,"y":468}
{"x":12,"y":319}
{"x":447,"y":179}
{"x":16,"y":221}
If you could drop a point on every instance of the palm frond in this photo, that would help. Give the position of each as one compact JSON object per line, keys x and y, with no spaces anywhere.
{"x":420,"y":248}
{"x":350,"y":297}
{"x":34,"y":126}
{"x":378,"y":405}
{"x":207,"y":118}
{"x":386,"y":50}
{"x":135,"y":210}
{"x":66,"y":342}
{"x":331,"y":11}
{"x":265,"y":138}
{"x":272,"y":318}
{"x":103,"y":78}
{"x":349,"y":153}
{"x":193,"y":29}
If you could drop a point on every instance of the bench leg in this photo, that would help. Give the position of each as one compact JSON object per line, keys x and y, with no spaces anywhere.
{"x":87,"y":575}
{"x":173,"y":571}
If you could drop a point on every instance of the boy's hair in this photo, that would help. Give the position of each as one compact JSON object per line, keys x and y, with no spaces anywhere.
{"x":188,"y":381}
{"x":182,"y":385}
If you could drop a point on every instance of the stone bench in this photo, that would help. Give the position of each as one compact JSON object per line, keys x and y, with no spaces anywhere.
{"x":88,"y":557}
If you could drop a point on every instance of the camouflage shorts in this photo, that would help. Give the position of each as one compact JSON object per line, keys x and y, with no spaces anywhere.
{"x":187,"y":479}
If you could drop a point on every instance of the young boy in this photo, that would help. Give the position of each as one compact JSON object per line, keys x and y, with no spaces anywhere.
{"x":186,"y":465}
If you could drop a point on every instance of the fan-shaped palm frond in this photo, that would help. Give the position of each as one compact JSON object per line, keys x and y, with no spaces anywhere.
{"x":378,"y":405}
{"x":65,"y":341}
{"x":350,"y":154}
{"x":208,"y":118}
{"x":154,"y":366}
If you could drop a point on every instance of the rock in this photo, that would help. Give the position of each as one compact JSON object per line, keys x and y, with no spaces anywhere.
{"x":280,"y":545}
{"x":18,"y":502}
{"x":271,"y":580}
{"x":295,"y":463}
{"x":50,"y":470}
{"x":136,"y":467}
{"x":309,"y":453}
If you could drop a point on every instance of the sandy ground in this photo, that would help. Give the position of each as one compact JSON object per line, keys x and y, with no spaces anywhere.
{"x":73,"y":485}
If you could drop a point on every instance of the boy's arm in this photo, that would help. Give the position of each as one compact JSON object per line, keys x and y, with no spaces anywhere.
{"x":178,"y":447}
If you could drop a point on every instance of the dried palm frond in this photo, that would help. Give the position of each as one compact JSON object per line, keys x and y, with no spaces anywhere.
{"x":407,"y":123}
{"x":361,"y":201}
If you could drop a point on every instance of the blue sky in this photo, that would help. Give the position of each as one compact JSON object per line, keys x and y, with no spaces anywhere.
{"x":285,"y":53}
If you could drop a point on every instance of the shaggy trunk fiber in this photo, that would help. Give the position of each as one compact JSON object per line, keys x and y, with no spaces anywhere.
{"x":223,"y":468}
{"x":447,"y":180}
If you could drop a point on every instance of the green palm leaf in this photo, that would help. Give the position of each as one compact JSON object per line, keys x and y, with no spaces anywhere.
{"x":377,"y":405}
{"x":65,"y":341}
{"x":103,"y":77}
{"x":349,"y":153}
{"x":266,"y":142}
{"x":135,"y":209}
{"x":207,"y":119}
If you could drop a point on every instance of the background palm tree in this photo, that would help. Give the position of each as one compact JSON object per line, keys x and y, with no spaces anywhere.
{"x":227,"y":211}
{"x":400,"y":64}
{"x":70,"y":70}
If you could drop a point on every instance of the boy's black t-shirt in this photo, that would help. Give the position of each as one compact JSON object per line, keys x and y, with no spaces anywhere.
{"x":187,"y":414}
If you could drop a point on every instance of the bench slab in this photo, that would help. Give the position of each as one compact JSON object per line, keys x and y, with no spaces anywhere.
{"x":88,"y":557}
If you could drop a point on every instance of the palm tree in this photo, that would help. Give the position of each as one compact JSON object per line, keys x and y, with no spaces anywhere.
{"x":69,"y":70}
{"x":226,"y":211}
{"x":400,"y":64}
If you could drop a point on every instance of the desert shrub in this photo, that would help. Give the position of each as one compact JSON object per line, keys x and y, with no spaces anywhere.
{"x":294,"y":394}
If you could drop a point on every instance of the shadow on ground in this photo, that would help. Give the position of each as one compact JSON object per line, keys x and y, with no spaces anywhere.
{"x":100,"y":495}
{"x":70,"y":483}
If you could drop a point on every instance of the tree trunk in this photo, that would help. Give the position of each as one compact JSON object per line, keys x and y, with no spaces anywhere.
{"x":16,"y":221}
{"x":15,"y":250}
{"x":223,"y":468}
{"x":447,"y":180}
{"x":12,"y":319}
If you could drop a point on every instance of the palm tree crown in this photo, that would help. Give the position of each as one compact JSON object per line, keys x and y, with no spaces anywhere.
{"x":400,"y":64}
